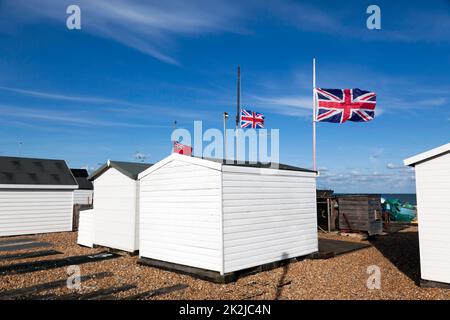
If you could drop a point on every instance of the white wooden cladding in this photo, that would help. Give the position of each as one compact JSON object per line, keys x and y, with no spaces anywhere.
{"x":268,"y":215}
{"x":81,"y":196}
{"x":86,"y":228}
{"x":115,"y":211}
{"x":201,"y":214}
{"x":179,"y":215}
{"x":433,"y":208}
{"x":35,"y":211}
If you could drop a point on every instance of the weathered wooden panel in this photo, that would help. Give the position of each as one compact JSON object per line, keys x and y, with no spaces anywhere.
{"x":360,"y":213}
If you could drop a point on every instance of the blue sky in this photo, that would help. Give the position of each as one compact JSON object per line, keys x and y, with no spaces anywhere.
{"x":115,"y":87}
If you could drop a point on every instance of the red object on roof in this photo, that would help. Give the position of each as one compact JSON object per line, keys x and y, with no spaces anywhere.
{"x":182,"y":149}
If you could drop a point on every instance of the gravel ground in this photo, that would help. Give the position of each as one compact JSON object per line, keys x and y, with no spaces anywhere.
{"x":342,"y":277}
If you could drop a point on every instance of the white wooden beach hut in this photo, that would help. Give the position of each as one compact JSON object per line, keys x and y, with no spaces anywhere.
{"x":213,"y":219}
{"x":432,"y":169}
{"x":85,"y":192}
{"x":113,"y":222}
{"x":36,"y":196}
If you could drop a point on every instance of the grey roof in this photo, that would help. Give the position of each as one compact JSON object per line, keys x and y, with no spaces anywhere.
{"x":269,"y":165}
{"x":81,"y":176}
{"x":130,"y":169}
{"x":33,"y":171}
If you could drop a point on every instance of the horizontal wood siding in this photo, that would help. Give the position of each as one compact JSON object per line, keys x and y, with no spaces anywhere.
{"x":267,"y":216}
{"x":86,"y":228}
{"x":115,"y":211}
{"x":35,"y":211}
{"x":83,"y":197}
{"x":433,"y":210}
{"x":180,"y":215}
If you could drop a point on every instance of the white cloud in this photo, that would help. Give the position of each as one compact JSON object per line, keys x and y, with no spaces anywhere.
{"x":365,"y":181}
{"x":147,"y":26}
{"x":68,"y":118}
{"x":153,"y":27}
{"x":58,"y":96}
{"x":393,"y":166}
{"x":376,"y":154}
{"x":286,"y":105}
{"x":111,"y":105}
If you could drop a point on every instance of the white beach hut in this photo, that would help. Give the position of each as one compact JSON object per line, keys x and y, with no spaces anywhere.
{"x":432,"y":169}
{"x":214,"y":219}
{"x":113,"y":222}
{"x":84,"y":194}
{"x":36,"y":196}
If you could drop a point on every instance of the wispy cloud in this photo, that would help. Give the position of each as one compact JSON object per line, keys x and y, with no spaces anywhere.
{"x":286,"y":105}
{"x":147,"y":26}
{"x":153,"y":27}
{"x":430,"y":25}
{"x":68,"y":118}
{"x":393,"y":166}
{"x":110,"y":105}
{"x":376,"y":154}
{"x":57,"y":96}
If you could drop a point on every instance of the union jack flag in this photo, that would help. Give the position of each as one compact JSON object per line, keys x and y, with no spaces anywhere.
{"x":340,"y":105}
{"x":251,"y":119}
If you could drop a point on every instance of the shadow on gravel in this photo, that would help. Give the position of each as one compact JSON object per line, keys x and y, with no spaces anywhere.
{"x":282,"y":280}
{"x":402,"y":250}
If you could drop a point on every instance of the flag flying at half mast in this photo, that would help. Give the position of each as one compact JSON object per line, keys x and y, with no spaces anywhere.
{"x":251,"y":119}
{"x":340,"y":105}
{"x":182,"y":149}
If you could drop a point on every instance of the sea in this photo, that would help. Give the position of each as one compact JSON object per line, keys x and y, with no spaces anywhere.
{"x":403,"y":197}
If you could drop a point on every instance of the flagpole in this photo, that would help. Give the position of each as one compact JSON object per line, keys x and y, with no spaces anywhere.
{"x":174,"y":128}
{"x":238,"y":108}
{"x":314,"y":115}
{"x":225,"y":117}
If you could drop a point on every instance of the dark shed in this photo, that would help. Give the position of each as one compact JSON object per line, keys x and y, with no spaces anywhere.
{"x":360,"y":212}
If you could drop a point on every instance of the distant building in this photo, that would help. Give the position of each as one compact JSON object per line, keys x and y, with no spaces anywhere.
{"x":85,"y":192}
{"x":36,"y":196}
{"x":433,"y":210}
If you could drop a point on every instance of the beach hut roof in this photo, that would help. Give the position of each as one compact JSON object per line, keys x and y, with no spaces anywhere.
{"x":130,"y":169}
{"x":17,"y":172}
{"x":217,"y":163}
{"x":81,"y":176}
{"x":427,"y":155}
{"x":252,"y":164}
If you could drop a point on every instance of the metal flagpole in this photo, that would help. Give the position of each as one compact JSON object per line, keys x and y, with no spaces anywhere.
{"x":238,"y":93}
{"x":238,"y":108}
{"x":225,"y":117}
{"x":174,"y":128}
{"x":314,"y":115}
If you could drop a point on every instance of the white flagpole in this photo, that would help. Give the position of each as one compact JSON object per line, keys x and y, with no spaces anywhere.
{"x":314,"y":115}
